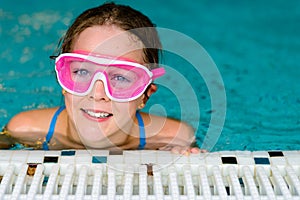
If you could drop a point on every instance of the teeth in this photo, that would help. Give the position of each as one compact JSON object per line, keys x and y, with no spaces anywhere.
{"x":96,"y":114}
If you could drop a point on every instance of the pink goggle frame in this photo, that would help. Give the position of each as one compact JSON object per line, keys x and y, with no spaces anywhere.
{"x":123,"y":80}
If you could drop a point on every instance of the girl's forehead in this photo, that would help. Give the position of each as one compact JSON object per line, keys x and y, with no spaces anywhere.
{"x":110,"y":40}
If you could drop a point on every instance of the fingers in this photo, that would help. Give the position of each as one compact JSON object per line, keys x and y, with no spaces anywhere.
{"x":195,"y":150}
{"x":183,"y":150}
{"x":177,"y":150}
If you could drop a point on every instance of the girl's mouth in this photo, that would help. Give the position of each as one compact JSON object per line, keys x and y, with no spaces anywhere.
{"x":97,"y":114}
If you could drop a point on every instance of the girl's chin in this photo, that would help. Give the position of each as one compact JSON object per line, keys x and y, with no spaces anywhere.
{"x":93,"y":137}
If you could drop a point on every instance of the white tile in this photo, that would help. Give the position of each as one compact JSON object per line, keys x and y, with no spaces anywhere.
{"x":18,"y":158}
{"x":5,"y":157}
{"x":132,"y":157}
{"x":164,"y":158}
{"x":148,"y":157}
{"x":98,"y":152}
{"x":198,"y":159}
{"x":213,"y":159}
{"x":36,"y":156}
{"x":115,"y":159}
{"x":245,"y":159}
{"x":83,"y":157}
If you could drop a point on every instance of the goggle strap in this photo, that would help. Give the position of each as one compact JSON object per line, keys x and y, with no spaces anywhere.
{"x":158,"y":72}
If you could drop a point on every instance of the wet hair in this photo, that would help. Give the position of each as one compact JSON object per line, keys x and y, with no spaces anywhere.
{"x":123,"y":17}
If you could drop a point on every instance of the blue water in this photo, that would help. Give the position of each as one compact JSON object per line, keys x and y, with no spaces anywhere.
{"x":254,"y":44}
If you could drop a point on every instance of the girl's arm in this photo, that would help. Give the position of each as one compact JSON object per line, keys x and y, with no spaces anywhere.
{"x":6,"y":141}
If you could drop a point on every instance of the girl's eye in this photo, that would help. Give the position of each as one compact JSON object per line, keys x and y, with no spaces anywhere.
{"x":81,"y":72}
{"x":120,"y":78}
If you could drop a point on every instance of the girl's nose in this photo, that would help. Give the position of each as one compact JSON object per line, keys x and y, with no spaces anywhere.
{"x":98,"y":92}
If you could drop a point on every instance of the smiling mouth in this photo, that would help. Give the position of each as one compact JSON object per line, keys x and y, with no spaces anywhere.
{"x":94,"y":114}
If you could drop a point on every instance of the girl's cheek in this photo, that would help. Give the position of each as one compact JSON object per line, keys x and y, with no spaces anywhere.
{"x":72,"y":104}
{"x":72,"y":100}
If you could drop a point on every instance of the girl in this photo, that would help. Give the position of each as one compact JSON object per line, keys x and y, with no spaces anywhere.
{"x":106,"y":66}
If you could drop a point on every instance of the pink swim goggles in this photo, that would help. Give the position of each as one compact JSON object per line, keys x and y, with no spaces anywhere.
{"x":123,"y":80}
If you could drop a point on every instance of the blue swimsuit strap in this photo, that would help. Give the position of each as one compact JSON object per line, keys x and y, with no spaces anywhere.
{"x":54,"y":119}
{"x":142,"y":130}
{"x":52,"y":127}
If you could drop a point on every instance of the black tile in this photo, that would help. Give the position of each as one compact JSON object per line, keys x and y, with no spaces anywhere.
{"x":229,"y":160}
{"x":275,"y":154}
{"x":50,"y":159}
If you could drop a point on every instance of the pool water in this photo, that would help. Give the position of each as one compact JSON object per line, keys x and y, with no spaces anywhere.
{"x":254,"y":45}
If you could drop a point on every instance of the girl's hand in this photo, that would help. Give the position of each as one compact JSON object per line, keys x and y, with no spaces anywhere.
{"x":183,"y":150}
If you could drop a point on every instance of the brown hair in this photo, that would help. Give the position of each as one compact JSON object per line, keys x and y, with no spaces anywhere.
{"x":123,"y":17}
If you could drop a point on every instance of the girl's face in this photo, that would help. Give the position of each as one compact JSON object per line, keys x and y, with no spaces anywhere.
{"x":96,"y":118}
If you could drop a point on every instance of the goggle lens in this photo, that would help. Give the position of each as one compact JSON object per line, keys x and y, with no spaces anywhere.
{"x":123,"y":80}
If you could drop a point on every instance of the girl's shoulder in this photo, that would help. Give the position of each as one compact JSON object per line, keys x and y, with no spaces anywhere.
{"x":31,"y":121}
